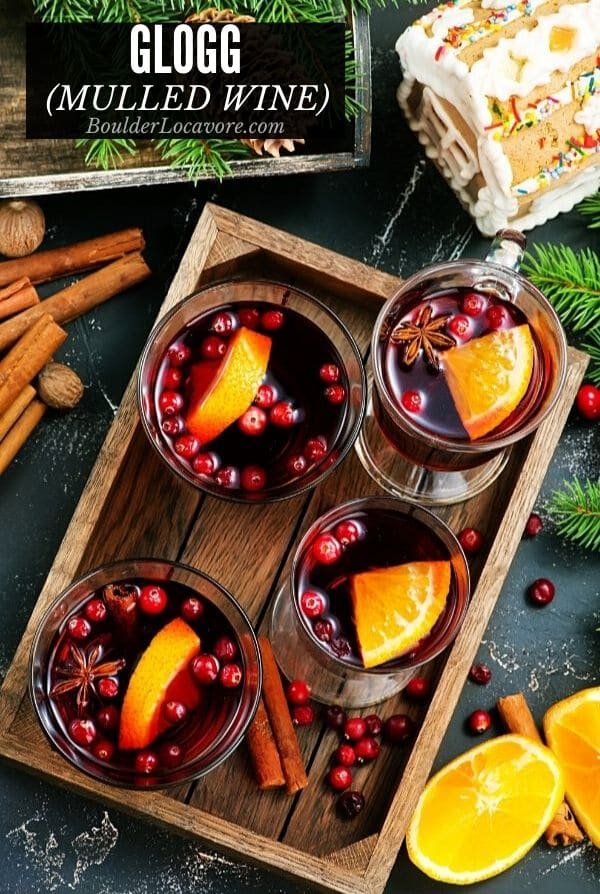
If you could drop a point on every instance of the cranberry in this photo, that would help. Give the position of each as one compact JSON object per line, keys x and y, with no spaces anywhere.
{"x":204,"y":464}
{"x":473,"y":304}
{"x":153,"y":599}
{"x":335,"y":394}
{"x":297,"y":692}
{"x":398,"y":728}
{"x":103,"y":749}
{"x":588,"y":401}
{"x":480,"y":674}
{"x":253,"y":478}
{"x":192,"y":608}
{"x":323,"y":630}
{"x":316,"y":449}
{"x":175,"y":711}
{"x":107,"y":718}
{"x":171,"y":754}
{"x":335,"y":716}
{"x":225,"y":648}
{"x":230,"y":676}
{"x":272,"y":320}
{"x":471,"y":540}
{"x":339,"y":778}
{"x":213,"y":347}
{"x":253,"y":422}
{"x":82,"y":731}
{"x":459,"y":326}
{"x":303,"y":715}
{"x":479,"y":721}
{"x":172,"y":426}
{"x":417,"y":688}
{"x":249,"y":317}
{"x":170,"y":403}
{"x":374,"y":724}
{"x":179,"y":354}
{"x":350,"y":804}
{"x":95,"y":611}
{"x":173,"y":378}
{"x":534,"y":525}
{"x":412,"y":401}
{"x":282,"y":414}
{"x":326,"y":549}
{"x":205,"y":669}
{"x":344,"y":755}
{"x":348,"y":532}
{"x":496,"y":316}
{"x":146,"y":762}
{"x":313,"y":603}
{"x":223,"y":323}
{"x":541,"y":591}
{"x":228,"y":477}
{"x":367,"y":749}
{"x":355,"y":728}
{"x":266,"y":397}
{"x":78,"y":627}
{"x":329,"y":373}
{"x":108,"y":688}
{"x":341,"y":647}
{"x":187,"y":446}
{"x":297,"y":464}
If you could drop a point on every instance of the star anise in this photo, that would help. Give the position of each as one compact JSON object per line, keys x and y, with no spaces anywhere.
{"x":424,"y":334}
{"x":84,"y":667}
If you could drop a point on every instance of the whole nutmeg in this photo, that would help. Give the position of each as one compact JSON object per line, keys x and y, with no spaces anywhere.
{"x":59,"y":386}
{"x":22,"y":227}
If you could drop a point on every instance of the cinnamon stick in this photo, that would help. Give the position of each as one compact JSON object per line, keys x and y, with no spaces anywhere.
{"x":10,"y":416}
{"x":27,"y":357}
{"x":19,"y":433}
{"x":121,"y":602}
{"x":80,"y":297}
{"x":18,"y":301}
{"x":517,"y":717}
{"x":53,"y":263}
{"x":263,"y":751}
{"x":281,"y":722}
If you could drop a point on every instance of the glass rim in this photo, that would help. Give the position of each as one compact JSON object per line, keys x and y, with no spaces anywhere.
{"x":406,"y":507}
{"x":224,"y":493}
{"x":482,"y":445}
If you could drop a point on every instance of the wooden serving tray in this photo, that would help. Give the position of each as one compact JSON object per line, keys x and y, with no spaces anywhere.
{"x":133,"y":506}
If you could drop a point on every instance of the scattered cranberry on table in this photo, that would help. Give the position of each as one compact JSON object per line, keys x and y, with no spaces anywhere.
{"x":326,"y":549}
{"x":355,"y":728}
{"x":374,"y":724}
{"x":339,"y":778}
{"x":541,"y":591}
{"x":146,"y":762}
{"x":303,"y":715}
{"x":192,"y":608}
{"x":335,"y":716}
{"x":108,"y":688}
{"x":588,"y":402}
{"x":82,"y":731}
{"x":344,"y":755}
{"x":152,"y":599}
{"x":298,"y":692}
{"x":205,"y":669}
{"x":534,"y":525}
{"x":480,"y":674}
{"x":95,"y":611}
{"x":351,"y":803}
{"x":471,"y":540}
{"x":230,"y":676}
{"x":398,"y":728}
{"x":174,"y":711}
{"x":418,"y":688}
{"x":313,"y":603}
{"x":78,"y":627}
{"x":479,"y":722}
{"x":367,"y":749}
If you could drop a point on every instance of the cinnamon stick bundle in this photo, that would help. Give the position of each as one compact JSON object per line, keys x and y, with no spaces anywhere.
{"x":54,"y":263}
{"x":80,"y":297}
{"x":10,"y":416}
{"x":16,"y":297}
{"x":517,"y":717}
{"x":27,"y":357}
{"x":263,"y":751}
{"x":19,"y":433}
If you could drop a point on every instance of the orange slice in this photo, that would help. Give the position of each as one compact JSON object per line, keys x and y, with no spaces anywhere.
{"x":488,"y":377}
{"x":572,"y":729}
{"x":160,"y":675}
{"x":485,"y":810}
{"x":233,"y":388}
{"x":395,"y":607}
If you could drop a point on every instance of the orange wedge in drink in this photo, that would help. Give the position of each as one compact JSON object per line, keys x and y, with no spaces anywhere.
{"x":488,"y":377}
{"x":572,"y":729}
{"x":233,"y":387}
{"x":393,"y":608}
{"x":160,"y":675}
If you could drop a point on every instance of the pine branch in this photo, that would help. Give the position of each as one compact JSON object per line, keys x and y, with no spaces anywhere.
{"x":591,"y":208}
{"x":198,"y":157}
{"x":592,"y":347}
{"x":576,"y":510}
{"x":570,"y":280}
{"x":106,"y":154}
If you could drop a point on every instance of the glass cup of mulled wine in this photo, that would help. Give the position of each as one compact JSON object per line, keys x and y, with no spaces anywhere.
{"x":145,"y":673}
{"x":468,"y":357}
{"x":378,"y":587}
{"x":250,"y":390}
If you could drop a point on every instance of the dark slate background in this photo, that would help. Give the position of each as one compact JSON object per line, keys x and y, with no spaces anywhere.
{"x":398,"y":215}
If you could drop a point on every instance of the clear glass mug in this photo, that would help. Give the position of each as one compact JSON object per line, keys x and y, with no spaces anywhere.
{"x":409,"y":461}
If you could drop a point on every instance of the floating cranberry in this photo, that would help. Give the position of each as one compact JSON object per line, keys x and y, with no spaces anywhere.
{"x":223,"y":323}
{"x":316,"y":449}
{"x":205,"y":669}
{"x":355,"y":728}
{"x":253,"y":422}
{"x":335,"y":716}
{"x":172,"y":426}
{"x":496,"y":316}
{"x":335,"y":394}
{"x":471,"y":540}
{"x":107,"y":718}
{"x":313,"y":603}
{"x":297,"y":464}
{"x":348,"y":532}
{"x":329,"y":373}
{"x":367,"y":749}
{"x":339,"y":778}
{"x":108,"y":687}
{"x":170,"y":402}
{"x":204,"y":464}
{"x":412,"y":401}
{"x":303,"y":715}
{"x":249,"y":317}
{"x":225,"y":648}
{"x":78,"y":627}
{"x":473,"y":304}
{"x":398,"y":728}
{"x":174,"y":711}
{"x":266,"y":397}
{"x":282,"y":414}
{"x":253,"y":478}
{"x":418,"y":688}
{"x":459,"y":326}
{"x":541,"y":591}
{"x":95,"y":611}
{"x":230,"y":676}
{"x":297,"y":692}
{"x":171,"y":754}
{"x":153,"y":599}
{"x":341,"y":647}
{"x":213,"y":347}
{"x":480,"y":674}
{"x":350,"y":804}
{"x":173,"y":378}
{"x":179,"y":354}
{"x":272,"y":320}
{"x":82,"y":731}
{"x":146,"y":762}
{"x":374,"y":724}
{"x":103,"y":749}
{"x":479,"y":721}
{"x":187,"y":446}
{"x":588,"y":401}
{"x":323,"y":630}
{"x":326,"y":549}
{"x":192,"y":608}
{"x":534,"y":525}
{"x":228,"y":477}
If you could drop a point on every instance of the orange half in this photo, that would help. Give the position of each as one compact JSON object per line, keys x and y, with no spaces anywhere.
{"x":233,"y":388}
{"x":572,"y":729}
{"x":161,"y":674}
{"x":488,"y":377}
{"x":394,"y":608}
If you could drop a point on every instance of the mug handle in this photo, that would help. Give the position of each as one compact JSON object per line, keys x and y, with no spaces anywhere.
{"x":507,"y":249}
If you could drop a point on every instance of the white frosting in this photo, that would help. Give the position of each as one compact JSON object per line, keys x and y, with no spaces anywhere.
{"x":496,"y":4}
{"x":589,"y":114}
{"x":455,"y":18}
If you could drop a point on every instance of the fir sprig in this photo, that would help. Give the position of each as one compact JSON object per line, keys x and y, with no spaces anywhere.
{"x":592,"y":348}
{"x":570,"y":280}
{"x":106,"y":154}
{"x":198,"y":157}
{"x":591,"y":208}
{"x":576,"y":510}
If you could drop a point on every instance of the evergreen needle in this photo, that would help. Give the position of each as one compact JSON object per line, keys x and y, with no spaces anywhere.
{"x":576,"y":510}
{"x":106,"y":154}
{"x":591,"y":208}
{"x":570,"y":280}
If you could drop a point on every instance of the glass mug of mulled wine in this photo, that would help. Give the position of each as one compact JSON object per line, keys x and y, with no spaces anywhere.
{"x":468,"y":357}
{"x":378,"y":587}
{"x":251,"y":390}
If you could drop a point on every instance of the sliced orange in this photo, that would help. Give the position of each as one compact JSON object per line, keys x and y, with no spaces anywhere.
{"x":233,"y":388}
{"x":160,"y":675}
{"x":485,"y":810}
{"x":393,"y":608}
{"x":488,"y":377}
{"x":572,"y":729}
